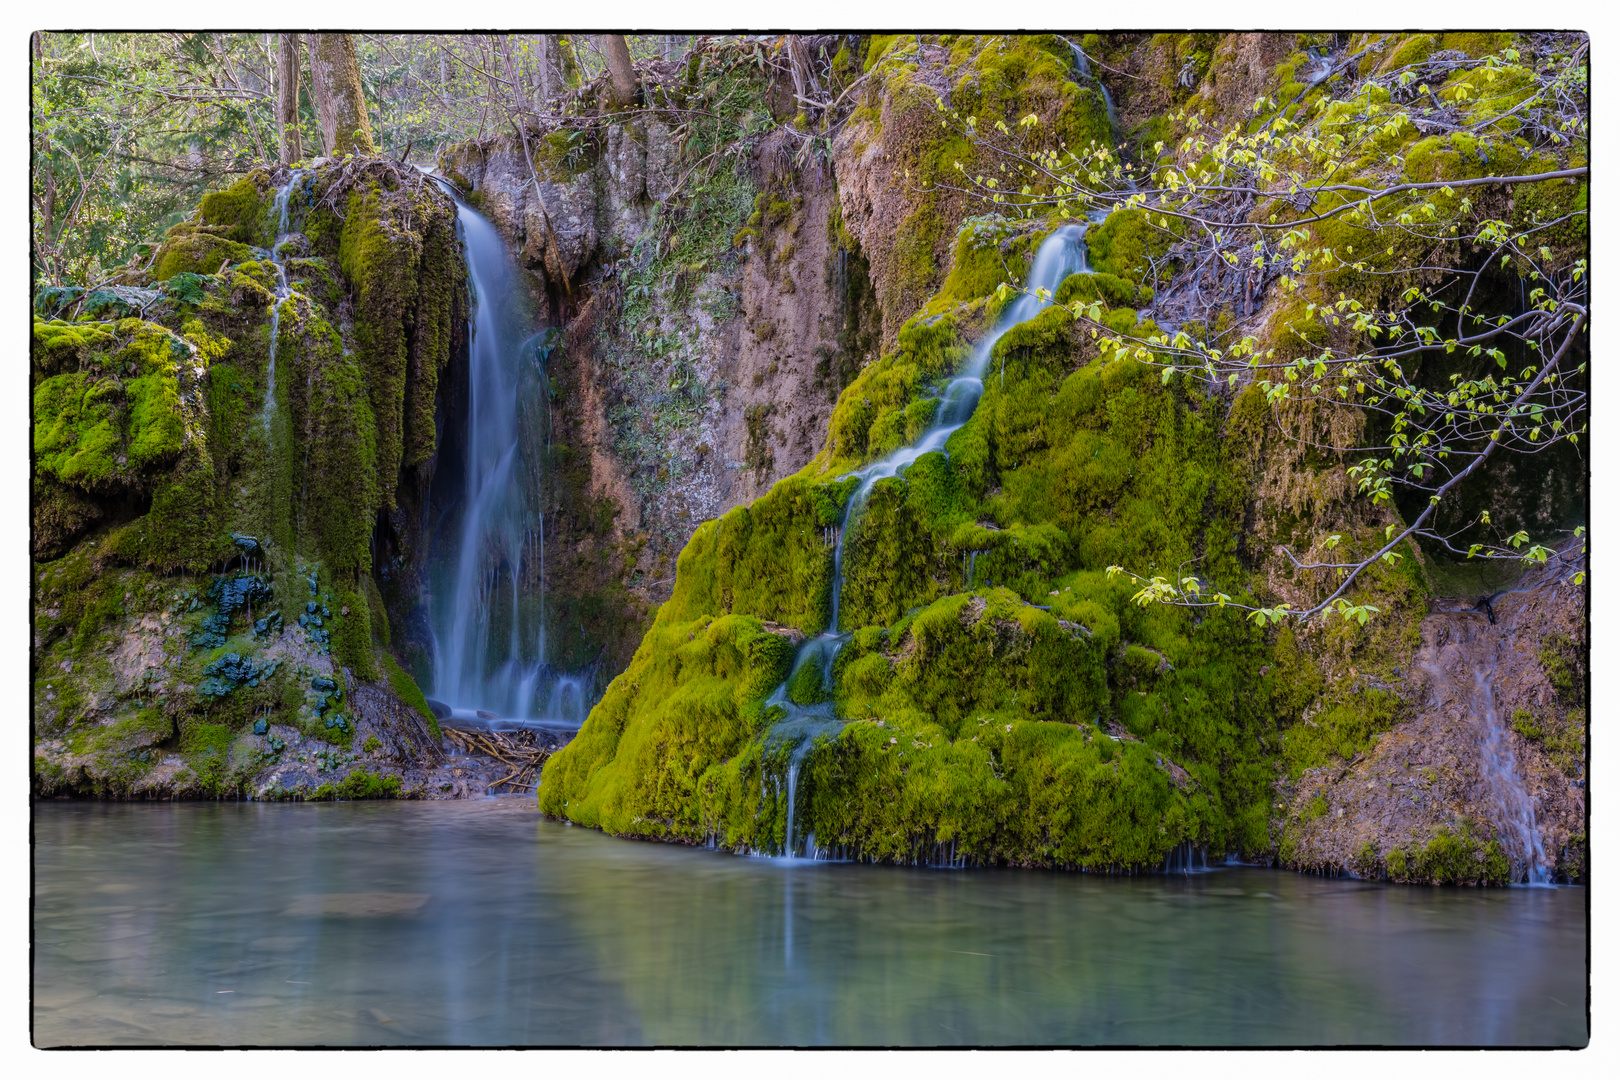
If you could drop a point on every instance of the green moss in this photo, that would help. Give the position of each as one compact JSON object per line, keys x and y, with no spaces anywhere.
{"x":926,"y":349}
{"x":1341,"y":730}
{"x":243,"y":209}
{"x":196,"y":253}
{"x":205,"y":747}
{"x":342,"y":472}
{"x":1560,"y":728}
{"x":806,"y":686}
{"x":59,"y":346}
{"x":183,"y":529}
{"x":1476,"y":45}
{"x":395,"y":251}
{"x":1126,"y":244}
{"x":147,"y":728}
{"x":1072,"y":462}
{"x":111,"y":428}
{"x":1001,"y":78}
{"x":405,"y":688}
{"x":1451,"y":856}
{"x":771,"y":560}
{"x":361,"y":784}
{"x":164,"y":430}
{"x":1524,"y":722}
{"x":1111,"y":290}
{"x":989,"y":251}
{"x":1563,"y":661}
{"x":876,"y":47}
{"x":691,"y":698}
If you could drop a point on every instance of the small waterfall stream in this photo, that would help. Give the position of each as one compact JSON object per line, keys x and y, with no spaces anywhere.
{"x":283,"y":291}
{"x":490,"y":639}
{"x":1462,"y":673}
{"x":1062,"y":253}
{"x":1084,"y":64}
{"x":1500,"y":768}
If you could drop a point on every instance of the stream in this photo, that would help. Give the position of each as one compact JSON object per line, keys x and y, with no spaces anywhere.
{"x":480,"y":923}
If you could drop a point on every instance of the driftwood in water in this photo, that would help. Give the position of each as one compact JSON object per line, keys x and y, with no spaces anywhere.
{"x":518,"y":750}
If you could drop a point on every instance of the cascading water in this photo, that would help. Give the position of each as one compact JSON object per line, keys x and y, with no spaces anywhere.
{"x":1500,"y":768}
{"x":490,"y":641}
{"x":1084,"y":64}
{"x":283,"y":292}
{"x":1061,"y":254}
{"x":1462,"y":672}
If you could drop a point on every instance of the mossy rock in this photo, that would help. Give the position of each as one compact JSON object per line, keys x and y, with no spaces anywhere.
{"x":196,"y":252}
{"x":1123,"y":244}
{"x":691,"y":698}
{"x":1114,"y":291}
{"x":59,"y":345}
{"x":243,"y":209}
{"x":115,"y":426}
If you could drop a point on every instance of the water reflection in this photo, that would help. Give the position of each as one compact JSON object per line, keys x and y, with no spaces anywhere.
{"x":479,"y":924}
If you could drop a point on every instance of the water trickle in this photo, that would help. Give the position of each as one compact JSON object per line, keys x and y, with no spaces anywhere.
{"x":1062,"y":253}
{"x":489,"y":637}
{"x":1500,"y":768}
{"x":1186,"y":858}
{"x":1084,"y":65}
{"x":283,"y":292}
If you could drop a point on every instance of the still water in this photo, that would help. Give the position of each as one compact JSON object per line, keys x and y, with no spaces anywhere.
{"x":479,"y":923}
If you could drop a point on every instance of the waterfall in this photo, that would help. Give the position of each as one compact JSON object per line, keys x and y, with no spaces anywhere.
{"x":1084,"y":67}
{"x":1060,"y":254}
{"x":283,"y":292}
{"x":490,"y":640}
{"x":1500,"y":767}
{"x":1461,"y":671}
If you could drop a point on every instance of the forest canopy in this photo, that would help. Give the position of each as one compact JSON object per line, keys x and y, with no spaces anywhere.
{"x":130,"y":130}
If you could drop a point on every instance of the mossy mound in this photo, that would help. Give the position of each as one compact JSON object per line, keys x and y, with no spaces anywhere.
{"x":112,"y":424}
{"x":191,"y":442}
{"x":997,"y":690}
{"x":691,"y":699}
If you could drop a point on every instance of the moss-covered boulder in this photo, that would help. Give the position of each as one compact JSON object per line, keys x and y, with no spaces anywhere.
{"x":234,"y":431}
{"x":995,"y":689}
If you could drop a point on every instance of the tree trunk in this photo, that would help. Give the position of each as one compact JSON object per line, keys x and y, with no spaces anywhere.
{"x":334,"y":70}
{"x":620,"y":70}
{"x":292,"y":144}
{"x":550,"y":67}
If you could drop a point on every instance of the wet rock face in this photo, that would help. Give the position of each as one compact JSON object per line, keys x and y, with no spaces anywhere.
{"x":1481,"y":763}
{"x":556,"y":204}
{"x":694,"y":372}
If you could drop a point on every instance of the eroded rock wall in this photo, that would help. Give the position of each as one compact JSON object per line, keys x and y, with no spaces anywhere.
{"x":1483,"y":779}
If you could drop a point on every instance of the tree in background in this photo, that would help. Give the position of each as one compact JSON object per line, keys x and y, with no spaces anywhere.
{"x":620,"y":69}
{"x":334,"y":69}
{"x":287,"y":98}
{"x":130,"y":130}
